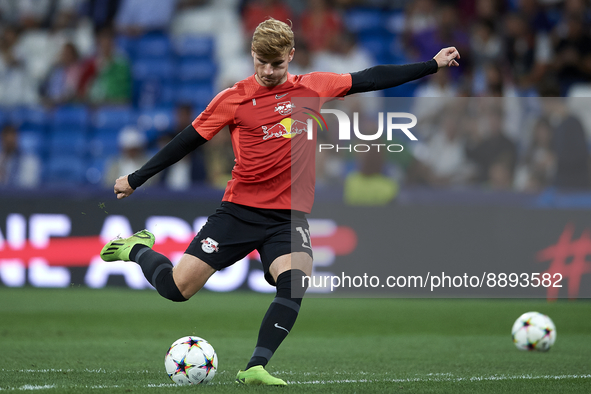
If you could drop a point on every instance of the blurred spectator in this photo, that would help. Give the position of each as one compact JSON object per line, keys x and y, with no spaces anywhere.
{"x":491,"y":10}
{"x":427,"y":103}
{"x":63,"y":83}
{"x":538,"y":165}
{"x":485,"y":44}
{"x":17,"y":168}
{"x":447,"y":32}
{"x":500,"y":174}
{"x":257,"y":11}
{"x":369,"y":186}
{"x":220,"y":20}
{"x":100,"y":12}
{"x":498,"y":84}
{"x":66,"y":13}
{"x":183,"y":116}
{"x":494,"y":150}
{"x":38,"y":47}
{"x":442,"y":161}
{"x":219,"y":159}
{"x":330,"y":166}
{"x":494,"y":83}
{"x":302,"y":62}
{"x":535,"y":15}
{"x":320,"y":25}
{"x":420,"y":16}
{"x":191,"y":169}
{"x":106,"y":77}
{"x":16,"y":86}
{"x":572,"y":153}
{"x":69,"y":25}
{"x":27,"y":14}
{"x":528,"y":53}
{"x":572,"y":8}
{"x":178,"y":175}
{"x":466,"y":10}
{"x":343,"y":56}
{"x":569,"y":142}
{"x":572,"y":60}
{"x":137,"y":17}
{"x":133,"y":154}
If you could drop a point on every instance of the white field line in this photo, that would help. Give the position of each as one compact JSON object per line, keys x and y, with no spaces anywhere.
{"x":443,"y":377}
{"x":85,"y":370}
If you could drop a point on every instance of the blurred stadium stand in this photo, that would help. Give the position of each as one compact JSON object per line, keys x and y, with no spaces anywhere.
{"x":172,"y":70}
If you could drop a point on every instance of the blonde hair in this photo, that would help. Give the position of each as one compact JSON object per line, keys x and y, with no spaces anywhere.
{"x":272,"y":38}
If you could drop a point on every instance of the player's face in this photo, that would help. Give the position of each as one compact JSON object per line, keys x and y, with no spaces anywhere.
{"x":271,"y":71}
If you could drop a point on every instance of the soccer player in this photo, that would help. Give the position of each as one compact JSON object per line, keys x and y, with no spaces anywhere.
{"x":265,"y":202}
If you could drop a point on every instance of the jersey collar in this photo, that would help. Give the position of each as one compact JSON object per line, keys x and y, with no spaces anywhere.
{"x":287,"y":84}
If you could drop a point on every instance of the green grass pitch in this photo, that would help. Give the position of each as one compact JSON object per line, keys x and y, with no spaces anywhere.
{"x":113,"y":341}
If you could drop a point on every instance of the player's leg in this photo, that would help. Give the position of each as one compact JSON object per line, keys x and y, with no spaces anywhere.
{"x":222,"y":241}
{"x":176,"y":284}
{"x":287,"y":272}
{"x":190,"y":274}
{"x":294,"y":261}
{"x":287,"y":258}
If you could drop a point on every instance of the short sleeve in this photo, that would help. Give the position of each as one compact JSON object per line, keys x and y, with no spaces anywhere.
{"x":218,"y":114}
{"x":328,"y":84}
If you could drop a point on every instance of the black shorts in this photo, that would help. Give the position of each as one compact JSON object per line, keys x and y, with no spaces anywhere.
{"x":234,"y":231}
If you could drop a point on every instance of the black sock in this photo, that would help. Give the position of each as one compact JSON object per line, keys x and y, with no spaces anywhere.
{"x":278,"y":320}
{"x":157,"y":269}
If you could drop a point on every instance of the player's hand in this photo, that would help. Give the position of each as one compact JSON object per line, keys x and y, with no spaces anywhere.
{"x":122,"y":188}
{"x":447,"y":57}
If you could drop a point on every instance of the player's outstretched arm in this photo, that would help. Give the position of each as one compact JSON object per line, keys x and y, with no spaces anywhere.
{"x":387,"y":76}
{"x":182,"y":144}
{"x":447,"y":57}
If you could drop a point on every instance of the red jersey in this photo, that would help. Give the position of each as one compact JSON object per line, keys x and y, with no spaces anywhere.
{"x":274,"y":159}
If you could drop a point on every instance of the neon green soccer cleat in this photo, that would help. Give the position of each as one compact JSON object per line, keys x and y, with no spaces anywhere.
{"x":258,"y":376}
{"x":119,"y":248}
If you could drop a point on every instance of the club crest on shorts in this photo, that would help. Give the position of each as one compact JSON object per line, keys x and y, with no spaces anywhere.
{"x":209,"y":245}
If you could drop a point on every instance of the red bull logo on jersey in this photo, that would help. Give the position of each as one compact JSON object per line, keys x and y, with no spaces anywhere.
{"x":288,"y":128}
{"x":284,"y":108}
{"x":208,"y":245}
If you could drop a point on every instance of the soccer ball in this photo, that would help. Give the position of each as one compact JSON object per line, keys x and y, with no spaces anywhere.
{"x":533,"y":331}
{"x":191,"y":360}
